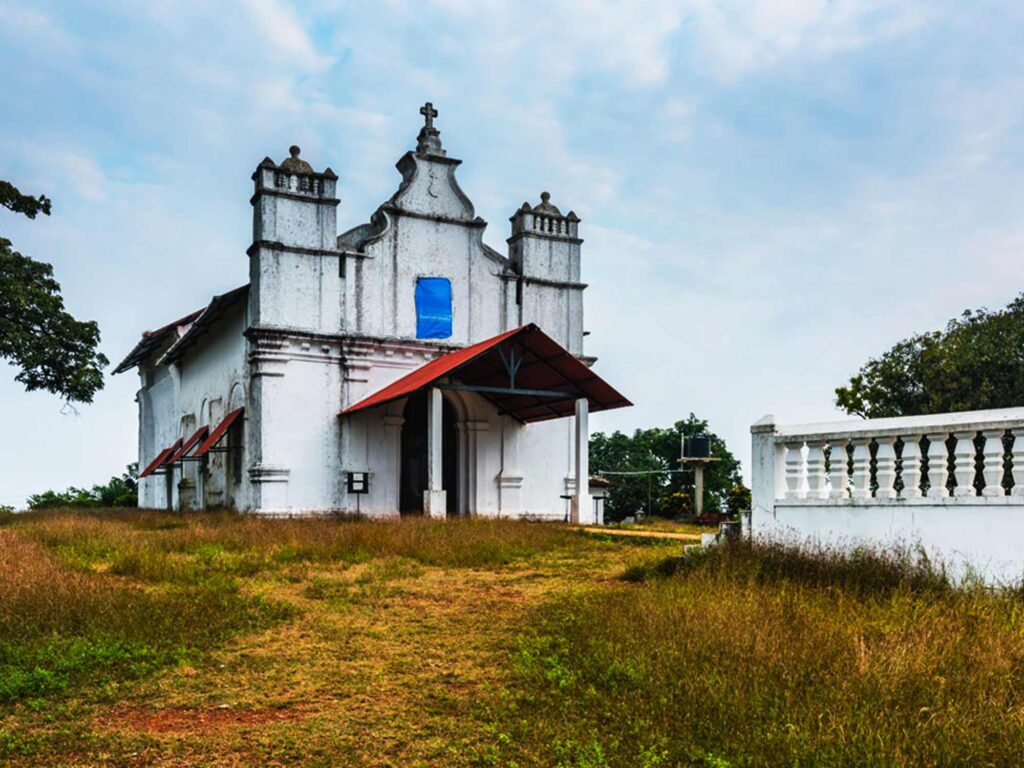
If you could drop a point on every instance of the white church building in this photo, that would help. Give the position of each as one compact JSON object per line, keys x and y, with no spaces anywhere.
{"x":402,"y":367}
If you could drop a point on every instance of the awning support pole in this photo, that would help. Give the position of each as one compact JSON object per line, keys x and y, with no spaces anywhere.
{"x":581,"y":511}
{"x":435,"y":502}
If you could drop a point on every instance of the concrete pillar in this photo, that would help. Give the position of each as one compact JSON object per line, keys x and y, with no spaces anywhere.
{"x":581,"y":511}
{"x":435,"y":501}
{"x":698,"y":488}
{"x":765,"y":469}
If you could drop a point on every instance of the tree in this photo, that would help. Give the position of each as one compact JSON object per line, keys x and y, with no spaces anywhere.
{"x":54,"y":351}
{"x":739,"y":501}
{"x":659,"y":449}
{"x":120,"y":491}
{"x":976,"y":363}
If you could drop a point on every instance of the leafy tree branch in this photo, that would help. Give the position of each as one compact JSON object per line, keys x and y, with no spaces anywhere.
{"x":54,"y":351}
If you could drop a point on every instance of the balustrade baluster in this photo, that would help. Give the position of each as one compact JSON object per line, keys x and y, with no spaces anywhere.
{"x":838,"y":471}
{"x":992,"y":468}
{"x":861,"y":468}
{"x":816,"y":470}
{"x":964,"y":469}
{"x":910,"y":469}
{"x":796,"y":468}
{"x":885,"y":468}
{"x":938,"y":466}
{"x":1017,"y":456}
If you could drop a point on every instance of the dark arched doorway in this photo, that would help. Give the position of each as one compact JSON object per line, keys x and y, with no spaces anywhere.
{"x":413,"y":468}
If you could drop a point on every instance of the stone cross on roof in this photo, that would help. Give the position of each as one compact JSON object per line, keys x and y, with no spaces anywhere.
{"x":429,"y":140}
{"x":429,"y":113}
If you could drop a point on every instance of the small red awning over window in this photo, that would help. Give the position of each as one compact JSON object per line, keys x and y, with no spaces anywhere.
{"x":161,"y":458}
{"x":198,"y":435}
{"x":218,"y":432}
{"x":523,"y":372}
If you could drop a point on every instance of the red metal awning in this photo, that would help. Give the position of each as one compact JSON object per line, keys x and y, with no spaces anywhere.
{"x":198,"y":435}
{"x":218,"y":432}
{"x":523,"y":372}
{"x":161,"y":458}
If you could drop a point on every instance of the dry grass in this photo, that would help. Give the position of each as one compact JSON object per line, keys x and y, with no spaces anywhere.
{"x":769,"y":656}
{"x":392,"y":637}
{"x":141,"y":638}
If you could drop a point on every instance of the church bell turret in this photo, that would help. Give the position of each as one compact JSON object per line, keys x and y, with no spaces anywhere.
{"x":545,"y":252}
{"x":293,"y":259}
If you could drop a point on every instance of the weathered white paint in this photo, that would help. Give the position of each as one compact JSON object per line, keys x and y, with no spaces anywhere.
{"x":330,"y":319}
{"x":970,"y":532}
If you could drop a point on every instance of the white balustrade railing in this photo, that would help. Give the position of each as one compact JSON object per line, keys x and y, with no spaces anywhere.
{"x":891,"y":461}
{"x":952,"y":484}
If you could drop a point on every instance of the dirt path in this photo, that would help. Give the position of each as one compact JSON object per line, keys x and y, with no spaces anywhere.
{"x":642,"y":534}
{"x":387,"y":663}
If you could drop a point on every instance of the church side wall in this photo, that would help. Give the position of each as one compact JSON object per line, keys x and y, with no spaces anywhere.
{"x":213,"y":382}
{"x":158,"y":400}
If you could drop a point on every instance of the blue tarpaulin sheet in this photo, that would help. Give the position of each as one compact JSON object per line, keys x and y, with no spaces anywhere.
{"x":433,"y":308}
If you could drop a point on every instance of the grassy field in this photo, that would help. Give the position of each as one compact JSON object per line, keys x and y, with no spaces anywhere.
{"x":143,"y":638}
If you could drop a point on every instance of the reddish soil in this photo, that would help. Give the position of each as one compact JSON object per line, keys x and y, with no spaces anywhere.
{"x":193,"y":720}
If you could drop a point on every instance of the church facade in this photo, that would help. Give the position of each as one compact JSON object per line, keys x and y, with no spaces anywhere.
{"x":403,"y":366}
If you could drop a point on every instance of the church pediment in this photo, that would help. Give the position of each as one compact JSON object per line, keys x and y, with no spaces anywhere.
{"x":429,"y":188}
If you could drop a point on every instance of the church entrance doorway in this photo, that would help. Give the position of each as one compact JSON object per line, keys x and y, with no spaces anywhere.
{"x":413,"y":467}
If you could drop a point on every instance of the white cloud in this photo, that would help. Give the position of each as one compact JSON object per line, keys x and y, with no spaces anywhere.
{"x":552,"y":43}
{"x":738,"y":37}
{"x":26,"y":25}
{"x":282,"y":30}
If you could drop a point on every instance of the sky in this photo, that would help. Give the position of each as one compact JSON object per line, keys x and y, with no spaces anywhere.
{"x":771,"y":191}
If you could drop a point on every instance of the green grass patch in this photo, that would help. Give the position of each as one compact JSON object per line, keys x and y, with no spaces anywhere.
{"x":65,"y":629}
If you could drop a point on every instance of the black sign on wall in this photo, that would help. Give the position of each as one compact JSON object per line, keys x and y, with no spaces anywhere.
{"x":358,"y":482}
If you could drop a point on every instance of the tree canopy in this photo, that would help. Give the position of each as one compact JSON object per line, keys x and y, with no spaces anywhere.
{"x":976,"y":363}
{"x":659,"y":449}
{"x":120,"y":491}
{"x":54,"y":351}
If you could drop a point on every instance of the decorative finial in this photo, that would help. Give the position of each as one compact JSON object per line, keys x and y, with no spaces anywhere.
{"x":429,"y":140}
{"x":546,"y":206}
{"x":294,"y":163}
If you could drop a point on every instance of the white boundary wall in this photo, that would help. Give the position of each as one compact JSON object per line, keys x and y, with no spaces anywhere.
{"x":936,"y":481}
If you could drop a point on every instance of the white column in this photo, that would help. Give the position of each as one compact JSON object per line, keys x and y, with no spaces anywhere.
{"x":938,"y":466}
{"x":795,"y":470}
{"x":911,"y":470}
{"x":435,"y":502}
{"x":816,"y":470}
{"x":993,"y":466}
{"x":838,"y":478}
{"x":581,"y":511}
{"x":861,"y":468}
{"x":885,"y":467}
{"x":964,"y":469}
